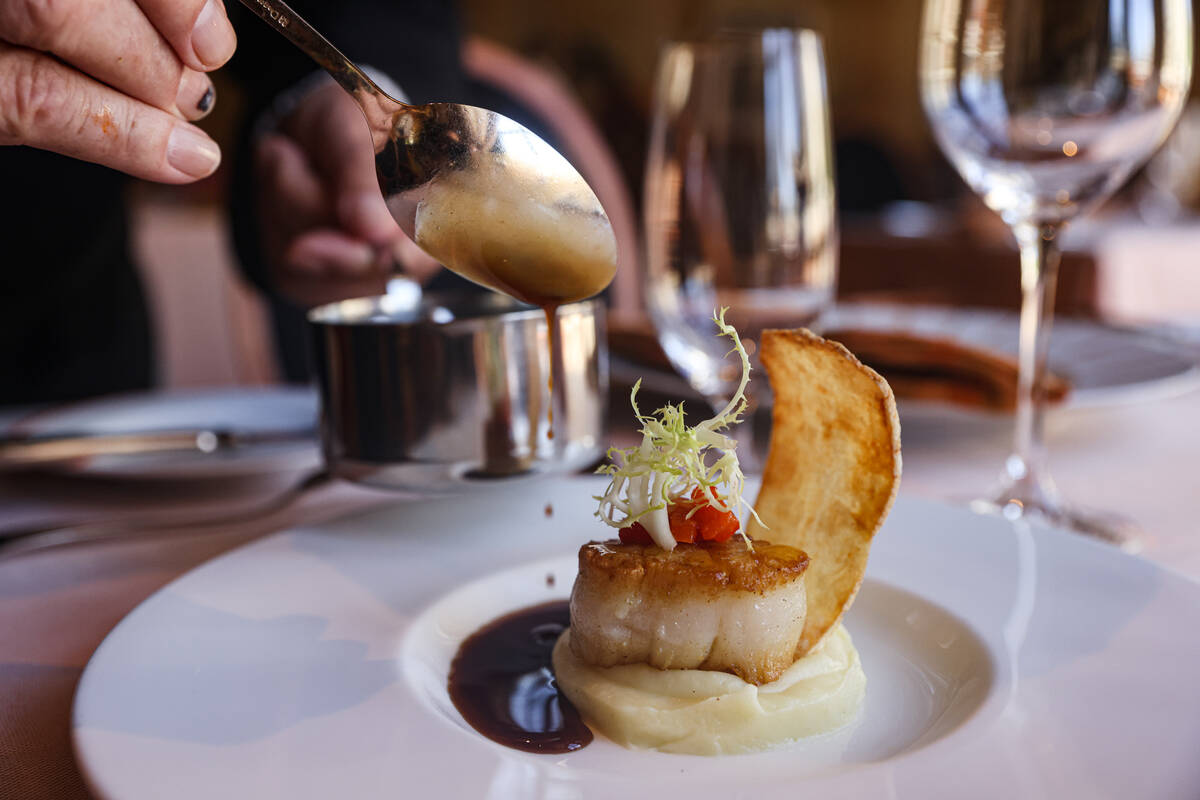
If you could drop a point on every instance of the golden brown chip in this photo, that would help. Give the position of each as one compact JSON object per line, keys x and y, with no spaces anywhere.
{"x":833,"y":468}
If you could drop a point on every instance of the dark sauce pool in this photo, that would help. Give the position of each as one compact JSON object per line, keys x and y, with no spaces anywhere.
{"x":502,"y":682}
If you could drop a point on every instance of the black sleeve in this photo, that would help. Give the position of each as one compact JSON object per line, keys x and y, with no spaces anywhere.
{"x":415,"y":41}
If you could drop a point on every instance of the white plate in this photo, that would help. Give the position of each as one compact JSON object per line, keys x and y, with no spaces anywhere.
{"x":1001,"y":662}
{"x":236,"y":409}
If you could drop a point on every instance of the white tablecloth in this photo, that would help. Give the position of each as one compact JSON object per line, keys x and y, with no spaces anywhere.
{"x":1138,"y":459}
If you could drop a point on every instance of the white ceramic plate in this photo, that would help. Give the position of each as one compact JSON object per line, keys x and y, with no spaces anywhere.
{"x":1001,"y":662}
{"x":237,"y":409}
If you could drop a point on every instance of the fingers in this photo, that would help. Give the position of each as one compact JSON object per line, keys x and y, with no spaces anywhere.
{"x":300,"y":232}
{"x":329,"y":127}
{"x":327,"y":230}
{"x":289,"y":195}
{"x":116,"y":43}
{"x":198,"y":30}
{"x":329,"y":252}
{"x":308,"y":291}
{"x":46,"y":104}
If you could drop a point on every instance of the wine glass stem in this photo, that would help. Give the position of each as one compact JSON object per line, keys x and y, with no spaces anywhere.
{"x":1039,"y":275}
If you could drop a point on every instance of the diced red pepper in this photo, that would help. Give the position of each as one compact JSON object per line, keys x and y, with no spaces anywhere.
{"x":715,"y":525}
{"x":684,"y":530}
{"x":706,"y":523}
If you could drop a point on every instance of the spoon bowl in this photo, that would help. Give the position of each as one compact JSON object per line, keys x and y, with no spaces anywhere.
{"x":481,"y":193}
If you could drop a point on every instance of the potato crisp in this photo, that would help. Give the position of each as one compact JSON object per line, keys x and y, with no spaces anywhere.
{"x":833,"y":468}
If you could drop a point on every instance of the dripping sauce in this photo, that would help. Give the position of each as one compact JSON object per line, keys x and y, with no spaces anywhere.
{"x":551,"y":319}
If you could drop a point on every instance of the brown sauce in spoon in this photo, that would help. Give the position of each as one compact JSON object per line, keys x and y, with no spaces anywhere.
{"x":502,"y":682}
{"x":525,"y":247}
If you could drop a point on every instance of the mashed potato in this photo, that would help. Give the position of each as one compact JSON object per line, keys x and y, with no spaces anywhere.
{"x":712,"y":713}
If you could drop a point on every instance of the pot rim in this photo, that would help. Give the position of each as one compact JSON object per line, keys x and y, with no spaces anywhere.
{"x":435,"y":309}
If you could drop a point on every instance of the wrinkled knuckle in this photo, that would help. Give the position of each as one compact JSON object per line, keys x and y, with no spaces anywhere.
{"x":35,"y":23}
{"x":34,"y":95}
{"x":133,"y":139}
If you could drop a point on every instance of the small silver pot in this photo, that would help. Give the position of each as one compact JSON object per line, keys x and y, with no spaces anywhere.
{"x":439,"y":393}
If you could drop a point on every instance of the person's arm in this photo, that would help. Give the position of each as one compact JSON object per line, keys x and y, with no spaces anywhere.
{"x":308,"y":218}
{"x":115,"y":86}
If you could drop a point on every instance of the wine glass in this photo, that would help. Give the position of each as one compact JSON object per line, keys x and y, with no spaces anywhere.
{"x":1045,"y":108}
{"x":739,"y":201}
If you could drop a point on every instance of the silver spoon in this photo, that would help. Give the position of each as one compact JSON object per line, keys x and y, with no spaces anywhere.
{"x":478,"y":191}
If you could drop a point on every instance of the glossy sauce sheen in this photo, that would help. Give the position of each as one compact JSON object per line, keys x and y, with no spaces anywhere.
{"x":528,"y":247}
{"x":502,"y":682}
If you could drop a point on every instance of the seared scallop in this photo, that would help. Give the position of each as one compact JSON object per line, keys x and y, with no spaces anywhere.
{"x":724,"y":607}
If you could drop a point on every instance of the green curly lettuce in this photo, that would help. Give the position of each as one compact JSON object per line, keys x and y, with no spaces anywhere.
{"x":673,"y":459}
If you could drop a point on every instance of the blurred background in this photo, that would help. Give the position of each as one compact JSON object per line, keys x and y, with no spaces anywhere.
{"x":910,"y":229}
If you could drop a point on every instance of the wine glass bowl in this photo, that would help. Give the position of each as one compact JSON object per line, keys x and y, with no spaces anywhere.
{"x":739,"y":199}
{"x":1045,"y":109}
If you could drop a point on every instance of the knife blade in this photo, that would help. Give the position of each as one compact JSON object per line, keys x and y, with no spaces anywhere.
{"x":42,"y":449}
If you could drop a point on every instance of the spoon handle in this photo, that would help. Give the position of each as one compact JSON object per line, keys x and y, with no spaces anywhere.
{"x":293,"y":27}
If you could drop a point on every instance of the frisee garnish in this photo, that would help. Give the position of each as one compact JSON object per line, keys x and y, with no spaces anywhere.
{"x":674,"y":458}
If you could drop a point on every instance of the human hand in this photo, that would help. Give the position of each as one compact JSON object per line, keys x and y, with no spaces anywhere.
{"x":326,"y":232}
{"x":114,"y":81}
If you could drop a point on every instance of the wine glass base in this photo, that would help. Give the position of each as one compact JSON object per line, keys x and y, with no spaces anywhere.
{"x":1109,"y":528}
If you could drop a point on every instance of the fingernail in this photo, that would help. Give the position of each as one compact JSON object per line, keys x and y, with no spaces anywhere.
{"x":196,"y":94}
{"x":366,"y":214}
{"x":213,"y":39}
{"x":191,"y":152}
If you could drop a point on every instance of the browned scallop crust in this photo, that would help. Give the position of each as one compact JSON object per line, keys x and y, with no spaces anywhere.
{"x":708,"y":568}
{"x":833,"y":469}
{"x":723,"y":607}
